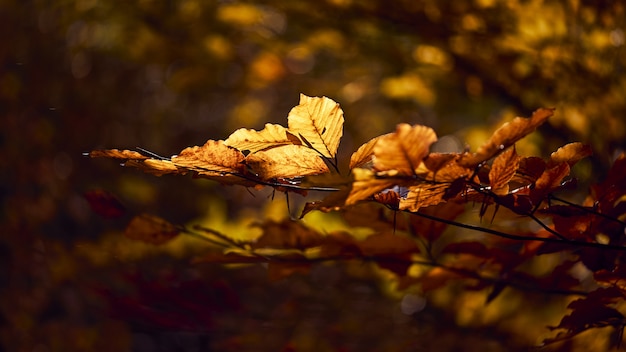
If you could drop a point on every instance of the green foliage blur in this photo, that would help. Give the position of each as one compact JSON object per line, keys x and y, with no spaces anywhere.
{"x":78,"y":75}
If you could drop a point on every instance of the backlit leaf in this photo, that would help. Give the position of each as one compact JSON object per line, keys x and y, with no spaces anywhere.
{"x":503,"y":170}
{"x":214,"y":158}
{"x":423,"y":195}
{"x":506,"y":136}
{"x":365,"y":185}
{"x":286,"y":162}
{"x":364,"y":154}
{"x":403,"y":150}
{"x":570,"y":153}
{"x":271,"y":136}
{"x":319,"y":123}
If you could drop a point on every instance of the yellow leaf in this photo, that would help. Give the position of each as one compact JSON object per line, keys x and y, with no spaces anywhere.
{"x":364,"y":154}
{"x":503,"y":170}
{"x":287,"y":161}
{"x":423,"y":195}
{"x":214,"y":158}
{"x":271,"y":136}
{"x":318,"y":122}
{"x":403,"y":150}
{"x":365,"y":185}
{"x":506,"y":136}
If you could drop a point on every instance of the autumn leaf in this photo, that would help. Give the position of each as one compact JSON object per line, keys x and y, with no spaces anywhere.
{"x":570,"y":153}
{"x":502,"y":171}
{"x":402,"y":152}
{"x":151,"y":229}
{"x":506,"y":136}
{"x":214,"y":158}
{"x":319,"y":123}
{"x":423,"y":195}
{"x":117,"y":154}
{"x":364,"y":154}
{"x":252,"y":141}
{"x":365,"y":185}
{"x":287,"y":161}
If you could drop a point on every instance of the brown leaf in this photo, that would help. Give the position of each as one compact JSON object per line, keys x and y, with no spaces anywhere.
{"x":287,"y":234}
{"x":151,"y":229}
{"x":117,"y":154}
{"x":365,"y":185}
{"x":214,"y":158}
{"x":286,"y":161}
{"x":431,"y":229}
{"x":271,"y":136}
{"x":503,"y":170}
{"x":364,"y":154}
{"x":423,"y":195}
{"x":506,"y":136}
{"x":319,"y":123}
{"x":570,"y":153}
{"x":402,"y":152}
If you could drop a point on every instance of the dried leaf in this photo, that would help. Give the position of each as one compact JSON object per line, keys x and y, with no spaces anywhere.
{"x":364,"y":154}
{"x":319,"y":123}
{"x":570,"y":153}
{"x":503,"y":170}
{"x":214,"y":158}
{"x":117,"y":154}
{"x":151,"y":229}
{"x":287,"y":235}
{"x":423,"y":195}
{"x":365,"y":185}
{"x":506,"y":136}
{"x":287,"y":161}
{"x":271,"y":136}
{"x":402,"y":151}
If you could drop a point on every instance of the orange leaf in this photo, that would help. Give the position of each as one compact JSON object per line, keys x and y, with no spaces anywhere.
{"x":364,"y":154}
{"x":287,"y":234}
{"x":319,"y":123}
{"x":570,"y":153}
{"x":503,"y":170}
{"x":403,"y":150}
{"x":271,"y":136}
{"x":287,"y":161}
{"x":506,"y":136}
{"x":117,"y":154}
{"x":366,"y":185}
{"x":214,"y":158}
{"x":423,"y":195}
{"x":151,"y":229}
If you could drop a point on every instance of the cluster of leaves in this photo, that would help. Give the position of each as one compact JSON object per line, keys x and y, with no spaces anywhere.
{"x":399,"y":171}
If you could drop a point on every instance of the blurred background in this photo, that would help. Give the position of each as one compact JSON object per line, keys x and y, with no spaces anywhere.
{"x":78,"y":75}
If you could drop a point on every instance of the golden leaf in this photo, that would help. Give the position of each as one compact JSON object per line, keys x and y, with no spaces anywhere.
{"x":151,"y":229}
{"x":570,"y":153}
{"x":366,"y":185}
{"x":423,"y":195}
{"x":214,"y":158}
{"x":318,"y":122}
{"x":271,"y":136}
{"x":503,"y":170}
{"x":364,"y":154}
{"x":286,"y":162}
{"x":506,"y":136}
{"x":403,"y":150}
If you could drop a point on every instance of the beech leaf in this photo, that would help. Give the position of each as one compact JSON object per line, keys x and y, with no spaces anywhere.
{"x":502,"y":171}
{"x":403,"y":150}
{"x":364,"y":154}
{"x":506,"y":136}
{"x":365,"y":185}
{"x":214,"y":158}
{"x":271,"y":136}
{"x":570,"y":153}
{"x":287,"y":161}
{"x":423,"y":195}
{"x":319,"y":123}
